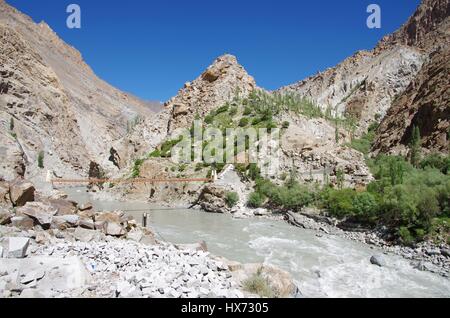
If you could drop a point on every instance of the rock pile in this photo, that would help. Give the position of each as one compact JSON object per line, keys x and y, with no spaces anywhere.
{"x":53,"y":248}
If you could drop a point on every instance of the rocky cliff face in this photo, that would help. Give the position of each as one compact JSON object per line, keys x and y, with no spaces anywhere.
{"x":58,"y":106}
{"x":416,"y":31}
{"x":216,"y":86}
{"x":425,"y":104}
{"x":365,"y":85}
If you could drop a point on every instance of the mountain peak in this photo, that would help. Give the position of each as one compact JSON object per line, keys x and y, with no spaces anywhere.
{"x":213,"y":88}
{"x":415,"y":32}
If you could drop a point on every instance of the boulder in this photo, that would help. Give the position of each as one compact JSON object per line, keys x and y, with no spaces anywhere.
{"x":60,"y":274}
{"x":1,"y":252}
{"x":21,"y":192}
{"x":180,"y":110}
{"x":22,"y":222}
{"x":42,"y":237}
{"x":212,"y":199}
{"x":86,"y":207}
{"x":116,"y":217}
{"x":5,"y":217}
{"x":261,"y":212}
{"x":378,"y":260}
{"x":211,"y":75}
{"x":87,"y":214}
{"x":115,"y":229}
{"x":65,"y":221}
{"x":135,"y":235}
{"x":64,"y":207}
{"x":87,"y":223}
{"x":84,"y":235}
{"x":41,"y":212}
{"x":17,"y":247}
{"x":279,"y":281}
{"x":4,"y":193}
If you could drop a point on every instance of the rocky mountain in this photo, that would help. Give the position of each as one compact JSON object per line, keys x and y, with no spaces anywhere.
{"x":425,"y":104}
{"x":216,"y":86}
{"x":426,"y":101}
{"x":52,"y":105}
{"x":365,"y":85}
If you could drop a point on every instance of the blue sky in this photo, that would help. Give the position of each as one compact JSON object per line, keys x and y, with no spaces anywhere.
{"x":152,"y":47}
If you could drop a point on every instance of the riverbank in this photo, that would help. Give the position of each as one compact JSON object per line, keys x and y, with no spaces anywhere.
{"x":56,"y":248}
{"x":425,"y":256}
{"x":322,"y":265}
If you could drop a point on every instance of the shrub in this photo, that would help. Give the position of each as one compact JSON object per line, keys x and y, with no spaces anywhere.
{"x":11,"y":124}
{"x":247,"y":111}
{"x":209,"y":119}
{"x":406,"y":236}
{"x":256,"y":121}
{"x":292,"y":198}
{"x":286,"y":124}
{"x":365,"y":205}
{"x":339,"y":202}
{"x":259,"y":285}
{"x":364,"y":144}
{"x":136,"y":172}
{"x":436,"y":161}
{"x":233,"y":111}
{"x":167,"y":146}
{"x":244,"y":122}
{"x":41,"y":159}
{"x":254,"y":172}
{"x":155,"y":154}
{"x":255,"y":200}
{"x":222,"y":109}
{"x":232,"y":198}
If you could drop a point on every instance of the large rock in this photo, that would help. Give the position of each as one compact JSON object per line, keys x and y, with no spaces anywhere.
{"x":280,"y":282}
{"x":378,"y":260}
{"x":22,"y":222}
{"x":86,"y":207}
{"x":65,"y":221}
{"x":212,"y":199}
{"x":4,"y":193}
{"x":112,"y":223}
{"x":115,"y":229}
{"x":5,"y":217}
{"x":41,"y":212}
{"x":17,"y":247}
{"x":63,"y":207}
{"x":84,"y":235}
{"x":21,"y":192}
{"x":51,"y":275}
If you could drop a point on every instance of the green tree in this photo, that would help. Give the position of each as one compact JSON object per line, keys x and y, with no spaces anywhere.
{"x":11,"y":124}
{"x":340,"y":178}
{"x":415,"y":146}
{"x":41,"y":160}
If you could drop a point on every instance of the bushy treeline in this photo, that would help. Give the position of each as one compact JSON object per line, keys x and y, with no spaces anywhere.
{"x":414,"y":202}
